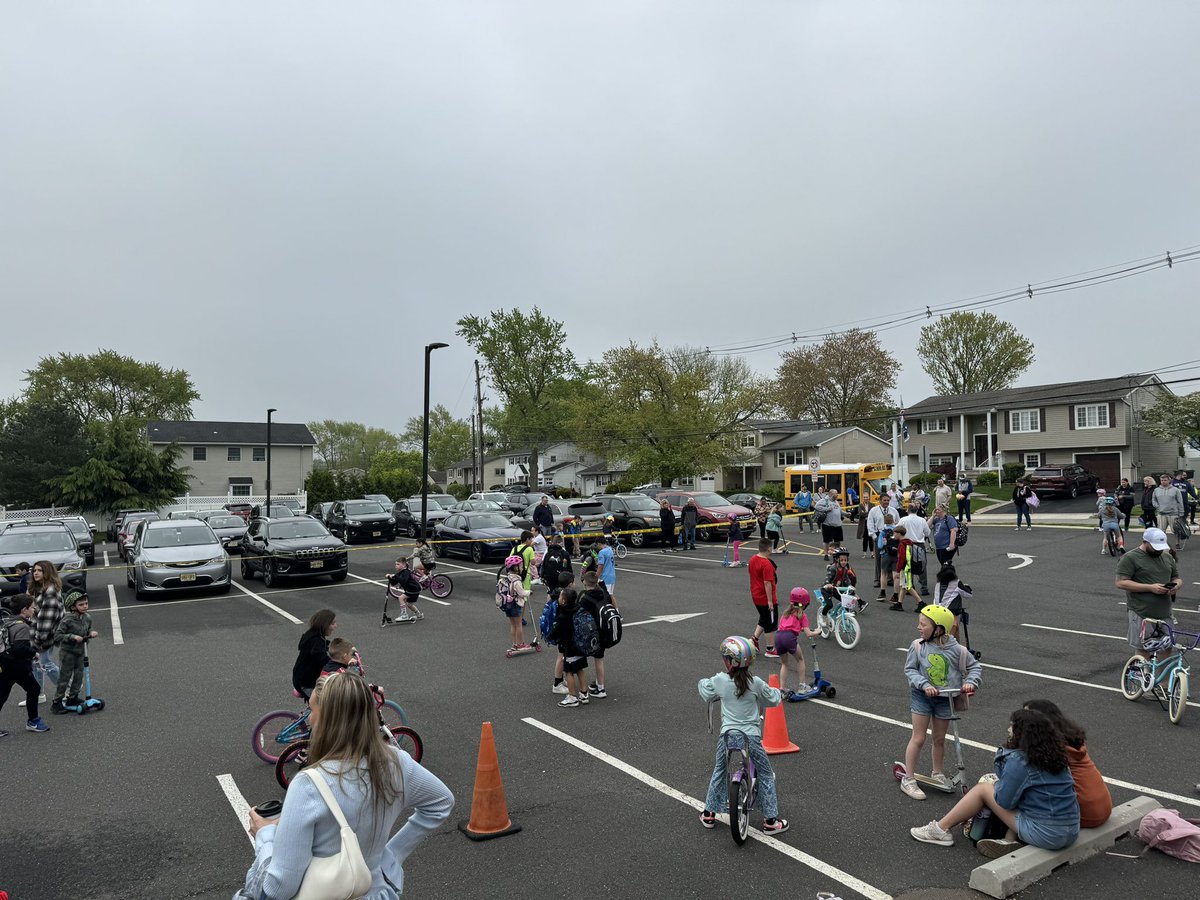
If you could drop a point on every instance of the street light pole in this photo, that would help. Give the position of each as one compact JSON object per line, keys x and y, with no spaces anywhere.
{"x":267,"y":513}
{"x":429,"y":348}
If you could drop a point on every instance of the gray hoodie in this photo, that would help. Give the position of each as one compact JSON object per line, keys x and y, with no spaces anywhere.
{"x":946,"y":666}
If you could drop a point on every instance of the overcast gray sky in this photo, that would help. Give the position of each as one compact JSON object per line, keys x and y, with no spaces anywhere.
{"x":329,"y":186}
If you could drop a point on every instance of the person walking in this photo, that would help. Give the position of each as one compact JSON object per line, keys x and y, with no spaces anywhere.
{"x":945,"y":534}
{"x":764,"y":581}
{"x":1149,"y":575}
{"x":46,"y":590}
{"x":543,"y":515}
{"x":917,"y":531}
{"x":1020,"y":497}
{"x":829,"y":511}
{"x":762,"y":509}
{"x":941,"y":495}
{"x":666,"y":524}
{"x":1169,"y":508}
{"x":1149,"y":519}
{"x":875,"y":519}
{"x":688,"y":517}
{"x":1124,"y":497}
{"x":804,"y":506}
{"x":774,"y":527}
{"x":963,"y":489}
{"x":863,"y":533}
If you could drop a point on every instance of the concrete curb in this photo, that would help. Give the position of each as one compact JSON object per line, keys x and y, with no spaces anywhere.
{"x":1005,"y":876}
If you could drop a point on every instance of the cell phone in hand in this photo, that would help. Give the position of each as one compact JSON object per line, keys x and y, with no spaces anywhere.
{"x":270,"y":809}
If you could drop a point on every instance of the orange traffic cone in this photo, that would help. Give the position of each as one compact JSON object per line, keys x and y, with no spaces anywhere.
{"x":775,"y":733}
{"x":489,"y":808}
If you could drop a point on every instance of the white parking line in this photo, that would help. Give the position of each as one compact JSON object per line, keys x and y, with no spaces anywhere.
{"x":372,"y":581}
{"x":105,"y":558}
{"x":1087,"y":684}
{"x":118,"y":637}
{"x":1115,"y":782}
{"x":241,"y":808}
{"x":621,"y":568}
{"x":1113,"y":637}
{"x":267,"y":603}
{"x":846,"y":880}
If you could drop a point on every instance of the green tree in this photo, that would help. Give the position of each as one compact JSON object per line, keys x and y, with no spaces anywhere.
{"x":39,"y":443}
{"x":449,"y":438}
{"x":529,"y":364}
{"x":345,"y":445}
{"x":107,"y":387}
{"x":969,"y":352}
{"x":396,"y":473}
{"x":122,"y":469}
{"x":322,"y":487}
{"x":847,"y":379}
{"x":666,"y":413}
{"x":1175,"y":419}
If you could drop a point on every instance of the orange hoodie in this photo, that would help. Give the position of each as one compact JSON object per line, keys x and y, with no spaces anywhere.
{"x":1095,"y":801}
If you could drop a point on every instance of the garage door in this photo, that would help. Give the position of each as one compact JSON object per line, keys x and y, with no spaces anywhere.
{"x":1107,"y":467}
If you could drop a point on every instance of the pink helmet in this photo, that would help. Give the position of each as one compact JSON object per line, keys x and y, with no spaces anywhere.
{"x":801,"y":597}
{"x":513,"y":562}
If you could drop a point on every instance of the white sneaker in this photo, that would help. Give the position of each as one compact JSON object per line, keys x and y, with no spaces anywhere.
{"x":41,"y":699}
{"x":804,"y":689}
{"x":560,"y":688}
{"x":910,"y":787}
{"x":568,"y":701}
{"x":994,"y":848}
{"x":932,"y":834}
{"x":943,"y":779}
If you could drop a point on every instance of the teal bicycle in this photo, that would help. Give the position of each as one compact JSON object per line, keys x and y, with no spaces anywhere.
{"x":842,"y":618}
{"x":1165,"y":678}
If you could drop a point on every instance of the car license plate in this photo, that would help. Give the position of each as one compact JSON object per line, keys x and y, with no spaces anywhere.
{"x":317,"y":564}
{"x":376,"y":533}
{"x":188,"y":576}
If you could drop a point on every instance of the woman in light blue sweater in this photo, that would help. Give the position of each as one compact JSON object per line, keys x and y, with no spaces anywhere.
{"x":373,"y":783}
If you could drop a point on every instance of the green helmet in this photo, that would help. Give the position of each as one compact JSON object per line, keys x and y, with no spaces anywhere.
{"x":73,"y":598}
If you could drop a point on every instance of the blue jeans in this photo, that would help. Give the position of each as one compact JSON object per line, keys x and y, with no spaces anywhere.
{"x":718,"y":787}
{"x":964,"y":509}
{"x":688,"y":534}
{"x":43,"y":666}
{"x":1023,"y":510}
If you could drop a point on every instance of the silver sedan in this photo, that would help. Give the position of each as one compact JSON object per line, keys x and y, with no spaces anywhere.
{"x":171,"y":555}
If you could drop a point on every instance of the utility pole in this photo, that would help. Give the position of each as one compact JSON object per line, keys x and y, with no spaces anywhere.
{"x":479,"y":406}
{"x":474,"y":453}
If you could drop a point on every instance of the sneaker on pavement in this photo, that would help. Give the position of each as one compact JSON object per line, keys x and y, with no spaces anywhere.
{"x":897,"y":606}
{"x":559,"y":688}
{"x":942,"y":779}
{"x":932,"y":834}
{"x":707,"y":819}
{"x":36,"y":725}
{"x":775,"y":826}
{"x":58,"y":709}
{"x":598,"y":692}
{"x":41,"y":699}
{"x":568,"y":700}
{"x":804,"y":689}
{"x":418,"y":614}
{"x":994,"y":848}
{"x":583,"y":698}
{"x":3,"y":734}
{"x":787,"y":695}
{"x":771,"y":653}
{"x":910,"y":787}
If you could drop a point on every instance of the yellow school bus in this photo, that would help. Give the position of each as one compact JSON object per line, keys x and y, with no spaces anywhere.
{"x":874,"y":478}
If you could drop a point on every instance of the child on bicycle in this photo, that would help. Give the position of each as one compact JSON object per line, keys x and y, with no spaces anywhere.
{"x":744,"y":698}
{"x":342,"y":658}
{"x":838,"y":574}
{"x":1110,"y":523}
{"x":607,"y":530}
{"x":404,"y":587}
{"x":935,"y":662}
{"x":423,"y":561}
{"x":787,"y":641}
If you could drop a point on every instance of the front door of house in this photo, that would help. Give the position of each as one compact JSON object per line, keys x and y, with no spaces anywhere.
{"x":981,"y":448}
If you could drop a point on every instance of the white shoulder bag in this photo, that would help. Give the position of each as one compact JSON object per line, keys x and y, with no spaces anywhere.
{"x":343,"y":876}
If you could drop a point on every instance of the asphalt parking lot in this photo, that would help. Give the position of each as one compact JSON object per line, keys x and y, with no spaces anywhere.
{"x":141,"y":799}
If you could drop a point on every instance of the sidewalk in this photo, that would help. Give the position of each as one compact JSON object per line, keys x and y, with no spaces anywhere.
{"x":1003,"y":511}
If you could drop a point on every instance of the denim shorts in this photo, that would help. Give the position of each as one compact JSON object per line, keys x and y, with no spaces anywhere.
{"x":933,"y":707}
{"x":1046,"y":835}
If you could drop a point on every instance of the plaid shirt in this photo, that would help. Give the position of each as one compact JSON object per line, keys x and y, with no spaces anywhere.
{"x":49,"y":614}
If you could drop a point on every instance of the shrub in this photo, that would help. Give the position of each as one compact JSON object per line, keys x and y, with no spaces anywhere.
{"x":1013,"y":471}
{"x":772,"y":490}
{"x":925,"y":479}
{"x":987,"y":479}
{"x":458,"y":491}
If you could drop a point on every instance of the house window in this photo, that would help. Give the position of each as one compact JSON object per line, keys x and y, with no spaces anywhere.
{"x":235,"y":454}
{"x":749,"y":440}
{"x":1031,"y":460}
{"x":932,"y":426}
{"x":498,"y":472}
{"x":1023,"y":420}
{"x":1094,"y":415}
{"x":553,"y":459}
{"x":259,"y":454}
{"x":940,"y":461}
{"x":687,"y":481}
{"x":602,"y":480}
{"x":518,"y":460}
{"x":199,"y":454}
{"x":788,"y":458}
{"x":239,"y":490}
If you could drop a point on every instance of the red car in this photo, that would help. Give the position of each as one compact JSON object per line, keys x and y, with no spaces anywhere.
{"x":239,"y":509}
{"x":713,"y":509}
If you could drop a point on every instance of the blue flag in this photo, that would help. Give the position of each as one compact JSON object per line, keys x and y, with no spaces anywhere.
{"x":903,"y":426}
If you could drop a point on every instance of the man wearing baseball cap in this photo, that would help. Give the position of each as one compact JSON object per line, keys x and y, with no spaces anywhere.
{"x":1150,"y":578}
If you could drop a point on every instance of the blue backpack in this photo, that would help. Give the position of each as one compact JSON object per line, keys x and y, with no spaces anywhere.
{"x":884,"y":534}
{"x":587,"y":635}
{"x":546,"y":622}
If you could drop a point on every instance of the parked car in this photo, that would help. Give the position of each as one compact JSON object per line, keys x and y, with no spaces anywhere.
{"x":748,"y":499}
{"x":292,"y":503}
{"x":85,"y":536}
{"x":1062,"y":481}
{"x":320,"y":511}
{"x":591,"y":511}
{"x":481,"y":506}
{"x":50,"y":540}
{"x":478,"y":535}
{"x":650,"y":490}
{"x":446,"y":500}
{"x":177,"y":554}
{"x":128,"y":523}
{"x":184,"y":514}
{"x":382,"y":499}
{"x":282,"y":548}
{"x":713,"y":508}
{"x":632,"y":511}
{"x":517,"y":487}
{"x":363,"y":520}
{"x":499,"y":497}
{"x":229,"y":530}
{"x":407,"y":514}
{"x":240,"y":509}
{"x":277,"y":511}
{"x":114,"y":527}
{"x":516,"y":503}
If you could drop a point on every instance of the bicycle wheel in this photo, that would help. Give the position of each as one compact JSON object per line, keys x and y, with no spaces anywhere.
{"x":622,"y":551}
{"x":1131,"y":678}
{"x":739,"y":798}
{"x":290,"y":762}
{"x":848,"y":632}
{"x":393,"y":713}
{"x":825,"y":624}
{"x":441,"y":586}
{"x":1110,"y":542}
{"x":408,"y":741}
{"x":265,"y":738}
{"x":1177,"y":695}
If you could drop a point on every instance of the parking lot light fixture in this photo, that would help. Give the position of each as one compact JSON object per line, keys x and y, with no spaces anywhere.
{"x":429,"y":348}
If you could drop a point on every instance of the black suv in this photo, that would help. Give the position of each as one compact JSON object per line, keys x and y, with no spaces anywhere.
{"x":407,"y":514}
{"x":85,"y":537}
{"x":33,"y":542}
{"x":361,"y":520}
{"x":632,"y":511}
{"x":297,"y":545}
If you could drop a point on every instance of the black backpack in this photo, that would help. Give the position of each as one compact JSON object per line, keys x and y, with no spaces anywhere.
{"x":610,"y":626}
{"x":586,"y":634}
{"x":960,"y":537}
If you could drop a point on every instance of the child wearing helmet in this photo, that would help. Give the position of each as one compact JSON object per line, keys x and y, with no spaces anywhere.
{"x":1110,"y":520}
{"x":935,"y":662}
{"x":787,"y":641}
{"x":510,"y":598}
{"x":404,"y":586}
{"x":736,"y":537}
{"x":744,"y":698}
{"x":607,"y":527}
{"x":838,"y":574}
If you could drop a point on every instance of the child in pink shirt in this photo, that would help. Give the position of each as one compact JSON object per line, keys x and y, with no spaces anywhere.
{"x":787,"y":640}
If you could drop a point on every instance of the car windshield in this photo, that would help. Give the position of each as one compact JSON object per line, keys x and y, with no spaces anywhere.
{"x":710,"y":500}
{"x":1047,"y":473}
{"x":79,"y":527}
{"x":489,"y":520}
{"x":301,"y":528}
{"x":363,"y":508}
{"x":640,"y":503}
{"x":430,"y":503}
{"x":30,"y":542}
{"x":179,"y":536}
{"x":227,"y":522}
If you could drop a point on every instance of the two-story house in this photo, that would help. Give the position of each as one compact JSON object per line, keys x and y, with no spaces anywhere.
{"x":230,"y":458}
{"x":1092,"y":423}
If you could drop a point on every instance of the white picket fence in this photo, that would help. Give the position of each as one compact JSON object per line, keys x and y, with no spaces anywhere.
{"x":48,"y":512}
{"x":184,"y":503}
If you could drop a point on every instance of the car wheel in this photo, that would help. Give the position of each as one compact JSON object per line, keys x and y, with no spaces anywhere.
{"x":247,"y":572}
{"x":412,"y":530}
{"x":269,"y":576}
{"x":637,"y":539}
{"x":706,"y":534}
{"x":477,"y":553}
{"x":1074,"y":491}
{"x":138,"y":593}
{"x":438,"y":551}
